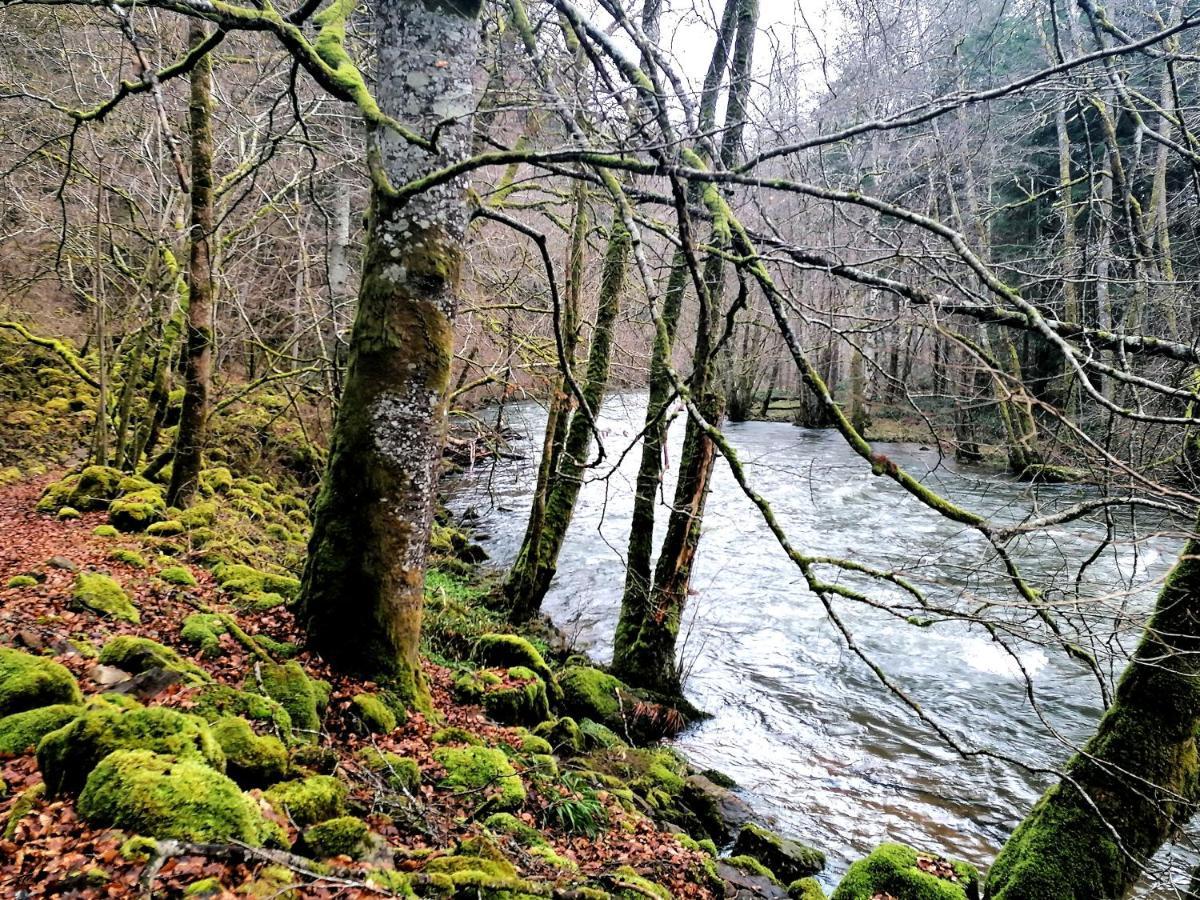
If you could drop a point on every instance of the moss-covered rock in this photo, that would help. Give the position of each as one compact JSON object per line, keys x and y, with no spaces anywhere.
{"x":520,"y":700}
{"x":68,"y":513}
{"x":204,"y":888}
{"x":374,"y":714}
{"x":66,"y":755}
{"x":138,"y":848}
{"x":789,"y":860}
{"x":509,"y":825}
{"x":303,"y":697}
{"x":21,"y":732}
{"x":214,"y":702}
{"x":128,"y":557}
{"x":243,"y":581}
{"x":104,"y":596}
{"x":456,"y":735}
{"x":507,"y":650}
{"x":399,"y":772}
{"x":806,"y":889}
{"x":216,"y":480}
{"x":599,"y":737}
{"x":105,"y":531}
{"x":203,"y":631}
{"x":638,"y":885}
{"x":29,"y":682}
{"x":343,"y":836}
{"x":138,"y":510}
{"x":309,"y":800}
{"x":589,"y":693}
{"x":178,"y":575}
{"x":198,"y":515}
{"x":251,"y":760}
{"x":563,"y":735}
{"x":138,"y":654}
{"x":21,"y":581}
{"x":91,"y":489}
{"x":905,"y":874}
{"x":482,"y":769}
{"x":165,"y":528}
{"x":168,"y":797}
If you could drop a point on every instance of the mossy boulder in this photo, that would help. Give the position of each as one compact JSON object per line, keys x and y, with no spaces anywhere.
{"x":303,"y":697}
{"x":251,"y":760}
{"x":66,"y":755}
{"x":102,"y":595}
{"x":198,"y":515}
{"x":21,"y":732}
{"x":907,"y":874}
{"x":307,"y":801}
{"x":589,"y":693}
{"x":374,"y":713}
{"x":138,"y":654}
{"x":483,"y":769}
{"x":168,"y":797}
{"x":399,"y":772}
{"x":214,"y":702}
{"x":128,"y":557}
{"x":165,"y":528}
{"x":178,"y":575}
{"x":510,"y":825}
{"x":138,"y":510}
{"x":91,"y":489}
{"x":343,"y":836}
{"x":203,"y":631}
{"x":520,"y":700}
{"x":29,"y":682}
{"x":68,"y":513}
{"x":21,"y":581}
{"x":789,"y":860}
{"x":245,"y":581}
{"x":806,"y":889}
{"x":507,"y":650}
{"x":599,"y":737}
{"x":105,"y":531}
{"x":216,"y":480}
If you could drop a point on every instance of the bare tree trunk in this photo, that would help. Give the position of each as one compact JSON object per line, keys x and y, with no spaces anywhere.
{"x":193,"y":419}
{"x":363,"y":586}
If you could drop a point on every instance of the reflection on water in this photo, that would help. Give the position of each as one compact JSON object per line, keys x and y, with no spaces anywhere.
{"x":809,"y":733}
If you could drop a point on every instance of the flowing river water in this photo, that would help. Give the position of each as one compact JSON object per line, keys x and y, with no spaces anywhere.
{"x":813,"y":738}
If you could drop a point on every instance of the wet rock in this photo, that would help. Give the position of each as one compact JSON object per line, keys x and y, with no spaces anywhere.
{"x":147,"y":684}
{"x":748,"y":886}
{"x":719,"y":810}
{"x":789,"y":860}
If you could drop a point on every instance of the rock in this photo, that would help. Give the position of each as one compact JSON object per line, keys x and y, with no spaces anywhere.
{"x":483,"y":769}
{"x":148,"y":684}
{"x":718,"y":809}
{"x":563,"y":734}
{"x":108,"y":675}
{"x":907,"y":874}
{"x":137,"y":510}
{"x":214,"y":702}
{"x":21,"y":732}
{"x":504,"y":650}
{"x":309,"y":800}
{"x":523,"y":703}
{"x":789,"y":860}
{"x":66,"y":756}
{"x":61,"y":562}
{"x":343,"y":836}
{"x":144,"y":793}
{"x":304,"y":698}
{"x":748,"y":885}
{"x":138,"y":654}
{"x":806,"y":889}
{"x":105,"y":597}
{"x":250,"y":760}
{"x":374,"y":714}
{"x":29,"y":682}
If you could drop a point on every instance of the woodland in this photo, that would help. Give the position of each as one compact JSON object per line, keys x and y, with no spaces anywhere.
{"x":357,"y":358}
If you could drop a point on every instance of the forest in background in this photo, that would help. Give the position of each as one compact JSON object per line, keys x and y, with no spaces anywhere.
{"x":319,"y":241}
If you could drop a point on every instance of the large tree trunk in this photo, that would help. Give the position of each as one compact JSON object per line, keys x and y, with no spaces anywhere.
{"x":363,"y":588}
{"x":1134,"y":782}
{"x":193,"y":418}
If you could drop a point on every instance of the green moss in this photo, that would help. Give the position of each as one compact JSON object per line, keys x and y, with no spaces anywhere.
{"x":104,"y":596}
{"x":752,"y":866}
{"x":309,"y":800}
{"x":639,"y":887}
{"x":178,"y":575}
{"x":893,"y":869}
{"x":401,"y":773}
{"x":789,"y":860}
{"x":485,"y":770}
{"x":343,"y":836}
{"x":94,"y":487}
{"x":183,"y":799}
{"x":374,"y":713}
{"x":128,"y":557}
{"x":599,"y":737}
{"x":138,"y":848}
{"x":67,"y":755}
{"x":806,"y":889}
{"x":198,"y":515}
{"x":528,"y":742}
{"x":21,"y":732}
{"x":456,"y":735}
{"x":217,"y":480}
{"x":138,"y":510}
{"x":242,"y":580}
{"x":205,"y":887}
{"x":105,"y":531}
{"x":250,"y":759}
{"x":203,"y":631}
{"x":504,"y":650}
{"x":137,"y":654}
{"x":166,"y":528}
{"x":20,"y":581}
{"x":23,"y":806}
{"x":29,"y":682}
{"x":589,"y":693}
{"x":67,"y":513}
{"x":216,"y":701}
{"x":508,"y":824}
{"x":57,"y":494}
{"x":304,"y":698}
{"x":525,"y":703}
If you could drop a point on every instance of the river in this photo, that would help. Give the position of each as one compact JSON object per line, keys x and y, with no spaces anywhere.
{"x":813,"y":738}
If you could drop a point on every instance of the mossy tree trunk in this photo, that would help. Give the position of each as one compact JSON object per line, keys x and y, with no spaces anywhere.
{"x":531,"y":574}
{"x":647,"y":657}
{"x":1135,"y":781}
{"x":363,"y":586}
{"x":193,"y":419}
{"x":639,"y":559}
